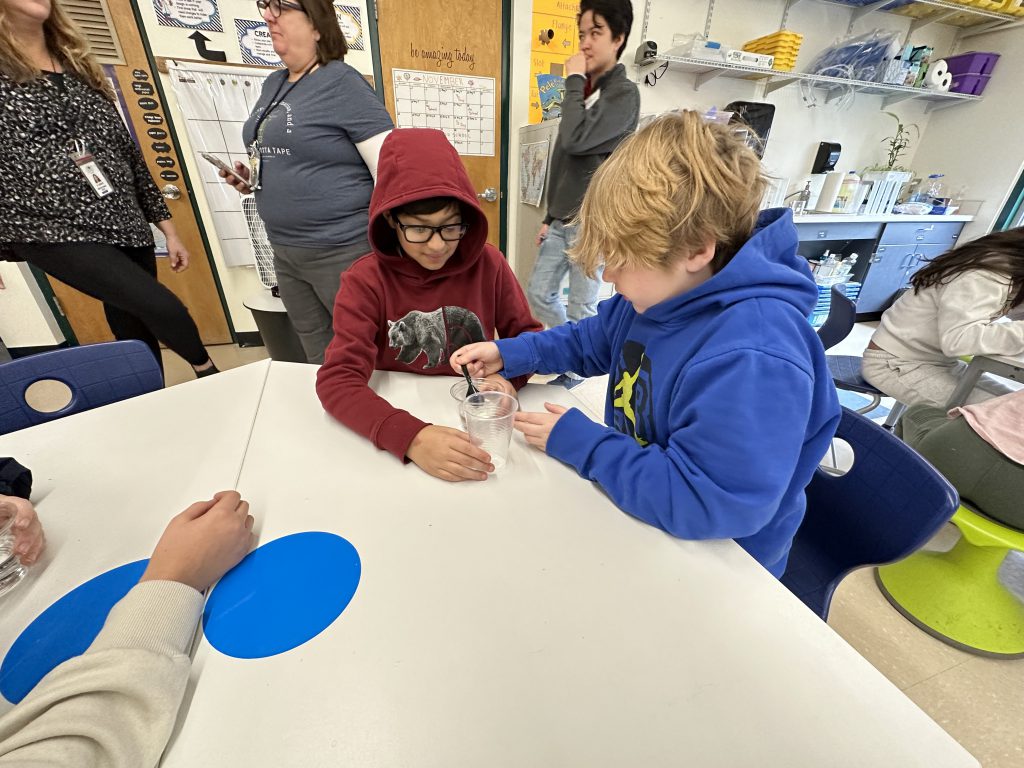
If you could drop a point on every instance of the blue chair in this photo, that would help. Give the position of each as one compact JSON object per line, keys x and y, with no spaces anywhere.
{"x":845,"y":369}
{"x":96,"y":374}
{"x":884,"y":508}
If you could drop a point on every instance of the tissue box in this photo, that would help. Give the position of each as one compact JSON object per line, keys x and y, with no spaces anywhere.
{"x":748,"y":59}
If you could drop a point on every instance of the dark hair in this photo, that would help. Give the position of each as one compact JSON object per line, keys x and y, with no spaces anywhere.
{"x":331,"y":44}
{"x":617,"y":15}
{"x":427,"y":206}
{"x":1001,"y":252}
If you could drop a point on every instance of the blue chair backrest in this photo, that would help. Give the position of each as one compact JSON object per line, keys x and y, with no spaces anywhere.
{"x":884,"y":508}
{"x":842,"y":315}
{"x":96,"y":374}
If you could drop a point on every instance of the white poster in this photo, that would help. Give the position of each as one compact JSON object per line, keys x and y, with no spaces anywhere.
{"x":460,"y":105}
{"x":533,"y":167}
{"x":188,"y":14}
{"x":350,"y":19}
{"x":255,"y":44}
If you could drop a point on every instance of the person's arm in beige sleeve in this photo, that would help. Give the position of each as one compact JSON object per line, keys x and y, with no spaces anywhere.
{"x":969,"y":306}
{"x":115,"y":705}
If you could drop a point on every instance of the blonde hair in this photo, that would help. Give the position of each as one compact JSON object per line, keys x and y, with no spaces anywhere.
{"x":667,"y":191}
{"x":63,"y":39}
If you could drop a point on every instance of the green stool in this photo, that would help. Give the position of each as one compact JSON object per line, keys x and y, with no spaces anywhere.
{"x":956,"y":596}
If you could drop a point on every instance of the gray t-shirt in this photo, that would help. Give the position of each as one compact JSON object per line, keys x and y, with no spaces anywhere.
{"x":314,"y":187}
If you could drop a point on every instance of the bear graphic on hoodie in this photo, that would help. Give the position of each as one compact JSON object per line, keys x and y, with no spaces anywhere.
{"x":438,"y":334}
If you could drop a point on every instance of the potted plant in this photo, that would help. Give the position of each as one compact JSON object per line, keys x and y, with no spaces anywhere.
{"x":887,"y":179}
{"x":897,"y":144}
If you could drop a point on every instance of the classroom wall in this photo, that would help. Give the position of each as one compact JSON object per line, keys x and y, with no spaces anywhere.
{"x":238,"y":282}
{"x":798,"y":128}
{"x":979,"y":146}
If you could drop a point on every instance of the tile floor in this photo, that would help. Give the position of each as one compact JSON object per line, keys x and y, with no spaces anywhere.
{"x":979,"y":701}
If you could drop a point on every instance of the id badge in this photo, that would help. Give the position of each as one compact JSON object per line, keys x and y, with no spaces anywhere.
{"x":90,"y":168}
{"x":255,"y":160}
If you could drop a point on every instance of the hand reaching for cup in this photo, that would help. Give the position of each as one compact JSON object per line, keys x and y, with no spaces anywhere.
{"x":29,"y":540}
{"x":536,"y":427}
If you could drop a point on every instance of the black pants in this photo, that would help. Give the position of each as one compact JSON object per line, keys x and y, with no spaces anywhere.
{"x":136,"y":304}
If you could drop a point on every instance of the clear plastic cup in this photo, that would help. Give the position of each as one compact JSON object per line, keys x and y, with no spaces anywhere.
{"x":11,"y":569}
{"x":489,"y":417}
{"x":459,"y":388}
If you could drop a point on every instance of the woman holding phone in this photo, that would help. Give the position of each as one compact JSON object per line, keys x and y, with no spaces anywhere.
{"x":313,"y":139}
{"x":77,"y":197}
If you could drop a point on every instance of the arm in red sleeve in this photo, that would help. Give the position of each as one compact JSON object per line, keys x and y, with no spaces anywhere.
{"x":342,"y":382}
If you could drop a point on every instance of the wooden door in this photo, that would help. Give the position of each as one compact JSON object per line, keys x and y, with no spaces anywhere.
{"x":460,"y":39}
{"x":195,"y":286}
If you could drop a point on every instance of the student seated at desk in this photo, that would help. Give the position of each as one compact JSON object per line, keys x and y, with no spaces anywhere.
{"x":720,"y":404}
{"x":951,"y":311}
{"x":115,"y":705}
{"x":431,"y":285}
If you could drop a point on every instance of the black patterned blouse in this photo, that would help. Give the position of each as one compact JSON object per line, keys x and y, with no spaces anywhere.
{"x":44,"y":198}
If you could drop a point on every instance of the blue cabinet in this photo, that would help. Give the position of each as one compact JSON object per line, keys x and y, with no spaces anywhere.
{"x":898,"y":250}
{"x":886,"y":275}
{"x":903,"y":249}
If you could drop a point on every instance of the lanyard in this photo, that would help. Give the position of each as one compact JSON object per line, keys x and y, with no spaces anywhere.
{"x":275,"y":104}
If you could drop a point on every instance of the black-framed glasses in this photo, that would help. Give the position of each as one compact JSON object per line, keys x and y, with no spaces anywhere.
{"x":421,"y":233}
{"x":276,"y":6}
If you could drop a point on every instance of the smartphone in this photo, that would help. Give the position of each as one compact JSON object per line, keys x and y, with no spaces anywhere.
{"x":214,"y":160}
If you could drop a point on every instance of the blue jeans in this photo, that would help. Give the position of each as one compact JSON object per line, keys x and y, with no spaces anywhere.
{"x":544,"y":289}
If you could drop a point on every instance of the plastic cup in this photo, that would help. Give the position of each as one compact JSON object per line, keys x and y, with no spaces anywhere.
{"x":11,"y":569}
{"x":489,"y":417}
{"x":459,"y":388}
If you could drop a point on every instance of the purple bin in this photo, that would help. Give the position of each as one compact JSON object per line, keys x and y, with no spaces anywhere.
{"x":972,"y":85}
{"x":972,"y":63}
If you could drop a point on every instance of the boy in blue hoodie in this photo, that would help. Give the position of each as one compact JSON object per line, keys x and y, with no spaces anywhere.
{"x":720,"y":404}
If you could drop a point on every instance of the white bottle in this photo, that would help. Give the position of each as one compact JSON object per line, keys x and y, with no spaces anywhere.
{"x":846,"y":198}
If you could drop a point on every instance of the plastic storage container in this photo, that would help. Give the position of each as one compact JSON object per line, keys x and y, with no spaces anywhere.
{"x":972,"y":85}
{"x":1012,"y":7}
{"x":987,"y":5}
{"x":783,"y":45}
{"x":972,"y":63}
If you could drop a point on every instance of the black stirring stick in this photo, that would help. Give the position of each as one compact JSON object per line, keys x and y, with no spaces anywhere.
{"x":470,"y":389}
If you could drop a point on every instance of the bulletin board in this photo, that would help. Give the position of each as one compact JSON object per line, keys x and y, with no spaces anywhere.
{"x":554,"y":38}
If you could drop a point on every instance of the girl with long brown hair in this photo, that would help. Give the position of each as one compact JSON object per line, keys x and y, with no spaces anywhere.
{"x":77,"y":196}
{"x":955,"y":308}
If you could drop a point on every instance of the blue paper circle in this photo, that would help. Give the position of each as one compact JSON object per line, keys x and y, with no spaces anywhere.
{"x":64,"y":630}
{"x":282,"y":594}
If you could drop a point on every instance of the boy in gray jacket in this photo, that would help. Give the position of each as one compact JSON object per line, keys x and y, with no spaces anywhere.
{"x":600,"y":108}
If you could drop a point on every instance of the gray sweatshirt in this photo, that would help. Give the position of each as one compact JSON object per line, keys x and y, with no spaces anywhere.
{"x":590,"y":130}
{"x":115,"y":705}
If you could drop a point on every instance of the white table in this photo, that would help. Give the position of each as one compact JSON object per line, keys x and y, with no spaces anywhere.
{"x":1006,"y":367}
{"x":107,"y":481}
{"x":522,"y":621}
{"x":525,"y":621}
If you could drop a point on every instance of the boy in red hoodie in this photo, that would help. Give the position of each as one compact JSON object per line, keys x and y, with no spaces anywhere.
{"x":431,"y":285}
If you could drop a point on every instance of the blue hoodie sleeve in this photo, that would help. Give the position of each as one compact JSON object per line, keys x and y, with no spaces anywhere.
{"x":736,"y":432}
{"x":584,"y":347}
